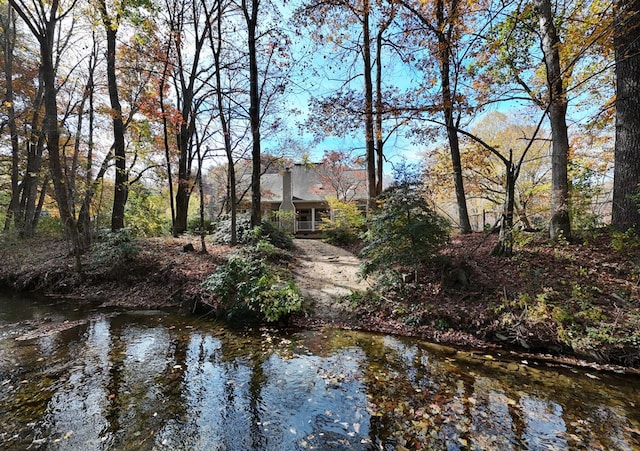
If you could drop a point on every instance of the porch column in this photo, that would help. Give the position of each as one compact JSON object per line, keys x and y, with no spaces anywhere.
{"x":313,"y":219}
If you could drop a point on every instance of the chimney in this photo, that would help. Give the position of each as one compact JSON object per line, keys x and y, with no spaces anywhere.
{"x":287,"y":190}
{"x":287,"y":209}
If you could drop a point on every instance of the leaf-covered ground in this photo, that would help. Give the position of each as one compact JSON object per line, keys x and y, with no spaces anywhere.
{"x":579,"y":300}
{"x":557,"y":301}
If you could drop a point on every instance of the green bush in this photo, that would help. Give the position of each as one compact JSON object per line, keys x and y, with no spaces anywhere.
{"x":145,"y":212}
{"x":346,"y":224}
{"x":246,"y":235}
{"x":267,"y":232}
{"x":49,"y":225}
{"x":625,"y":242}
{"x":113,"y":249}
{"x":246,"y":285}
{"x":193,"y":224}
{"x":404,"y":233}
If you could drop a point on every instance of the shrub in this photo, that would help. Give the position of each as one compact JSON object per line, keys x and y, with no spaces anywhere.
{"x":113,"y":249}
{"x":246,"y":235}
{"x":625,"y":242}
{"x":193,"y":224}
{"x":346,"y":224}
{"x":221,"y":228}
{"x":404,"y":233}
{"x":247,"y":285}
{"x":49,"y":225}
{"x":145,"y":212}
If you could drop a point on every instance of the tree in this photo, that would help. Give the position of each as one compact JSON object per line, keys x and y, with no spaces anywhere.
{"x":91,"y":184}
{"x":512,"y":169}
{"x":404,"y":233}
{"x":43,"y":20}
{"x":224,"y":116}
{"x":189,"y":22}
{"x":355,"y":56}
{"x":23,"y":109}
{"x":341,"y":173}
{"x":444,"y":20}
{"x":626,"y":181}
{"x":8,"y":36}
{"x":560,"y":224}
{"x":111,"y":23}
{"x":571,"y":39}
{"x":250,"y":9}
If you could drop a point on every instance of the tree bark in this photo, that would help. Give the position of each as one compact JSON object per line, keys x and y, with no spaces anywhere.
{"x":43,"y":24}
{"x":368,"y":105}
{"x":121,"y":190}
{"x":8,"y":43}
{"x":216,"y":48}
{"x":504,"y":246}
{"x":379,"y":102}
{"x":165,"y":136}
{"x":63,"y":197}
{"x":444,"y":46}
{"x":626,"y":177}
{"x":560,"y":224}
{"x":251,"y":17}
{"x":183,"y":192}
{"x":26,"y":217}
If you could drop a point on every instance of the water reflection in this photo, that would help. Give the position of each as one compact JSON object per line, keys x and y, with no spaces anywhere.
{"x":158,"y":381}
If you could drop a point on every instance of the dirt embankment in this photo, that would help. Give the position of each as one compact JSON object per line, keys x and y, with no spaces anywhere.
{"x":146,"y":273}
{"x":540,"y":300}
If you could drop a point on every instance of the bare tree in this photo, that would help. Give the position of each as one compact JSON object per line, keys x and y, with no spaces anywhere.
{"x":43,"y":20}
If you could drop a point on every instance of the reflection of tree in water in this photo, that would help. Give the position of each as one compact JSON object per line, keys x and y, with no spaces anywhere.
{"x":140,"y":383}
{"x":419,"y":397}
{"x":114,"y":383}
{"x":139,"y":359}
{"x":219,"y":394}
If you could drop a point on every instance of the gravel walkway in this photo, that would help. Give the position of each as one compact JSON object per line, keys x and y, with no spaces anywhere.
{"x":325,"y":274}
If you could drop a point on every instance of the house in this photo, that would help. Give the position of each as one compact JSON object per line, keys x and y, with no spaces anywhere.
{"x":297,"y":196}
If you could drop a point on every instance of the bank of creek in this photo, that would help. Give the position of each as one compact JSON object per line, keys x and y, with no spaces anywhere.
{"x":88,"y":368}
{"x":93,"y":379}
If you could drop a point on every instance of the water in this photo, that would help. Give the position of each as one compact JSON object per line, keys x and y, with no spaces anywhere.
{"x":153,"y":380}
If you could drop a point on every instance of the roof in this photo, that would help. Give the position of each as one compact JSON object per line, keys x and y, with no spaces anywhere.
{"x":315,"y":182}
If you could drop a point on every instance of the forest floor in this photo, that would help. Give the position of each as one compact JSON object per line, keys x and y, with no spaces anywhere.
{"x":567,"y":303}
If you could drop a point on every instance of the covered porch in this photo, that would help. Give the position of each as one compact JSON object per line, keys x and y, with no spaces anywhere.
{"x":309,"y":219}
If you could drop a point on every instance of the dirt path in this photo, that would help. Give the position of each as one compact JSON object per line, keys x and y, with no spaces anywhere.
{"x":326,"y":273}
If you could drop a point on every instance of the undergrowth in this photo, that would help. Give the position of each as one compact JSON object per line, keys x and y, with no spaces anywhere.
{"x":254,"y":282}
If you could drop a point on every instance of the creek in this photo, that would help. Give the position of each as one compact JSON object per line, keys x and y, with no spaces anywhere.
{"x":88,"y":379}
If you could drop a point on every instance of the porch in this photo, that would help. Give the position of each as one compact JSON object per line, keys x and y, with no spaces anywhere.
{"x":308,"y":220}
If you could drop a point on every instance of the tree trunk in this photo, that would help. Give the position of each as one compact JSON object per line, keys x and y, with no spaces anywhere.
{"x":444,"y":42}
{"x":251,"y":17}
{"x":203,"y":231}
{"x":560,"y":225}
{"x":8,"y":43}
{"x":368,"y":105}
{"x":121,"y":190}
{"x":216,"y":48}
{"x":52,"y":131}
{"x":165,"y":136}
{"x":185,"y":159}
{"x":379,"y":104}
{"x":183,"y":195}
{"x":25,"y":220}
{"x":626,"y":177}
{"x":504,"y":246}
{"x":84,"y":217}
